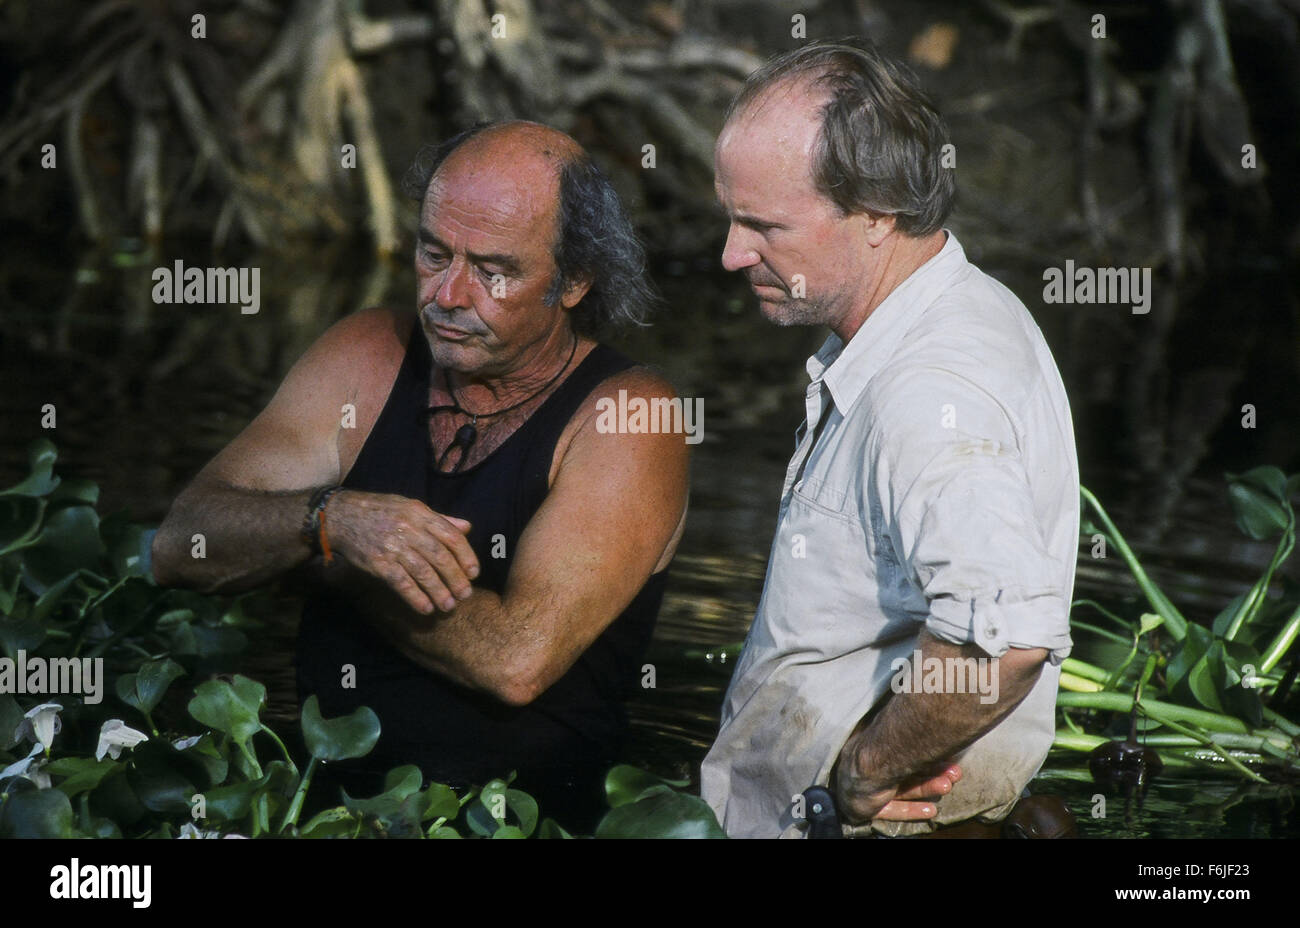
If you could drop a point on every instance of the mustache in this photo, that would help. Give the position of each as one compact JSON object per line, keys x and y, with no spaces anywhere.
{"x":762,"y":280}
{"x":433,"y":316}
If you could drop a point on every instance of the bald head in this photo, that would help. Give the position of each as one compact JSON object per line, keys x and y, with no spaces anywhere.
{"x":529,"y":184}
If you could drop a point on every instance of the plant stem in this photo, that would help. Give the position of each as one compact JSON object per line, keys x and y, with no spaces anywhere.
{"x":1122,"y":702}
{"x":1097,"y":630}
{"x":1084,"y":669}
{"x":283,"y":749}
{"x":1119,"y":620}
{"x":1174,"y":620}
{"x":1205,"y":740}
{"x":1274,"y":653}
{"x":295,"y":807}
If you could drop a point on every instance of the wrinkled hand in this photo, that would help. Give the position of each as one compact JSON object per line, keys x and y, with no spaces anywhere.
{"x":421,"y":555}
{"x":859,"y":799}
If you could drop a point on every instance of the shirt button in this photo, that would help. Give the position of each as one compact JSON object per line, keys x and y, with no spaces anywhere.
{"x":991,"y":631}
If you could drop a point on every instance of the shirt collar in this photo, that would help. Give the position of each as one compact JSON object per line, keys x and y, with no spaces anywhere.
{"x":846,"y":369}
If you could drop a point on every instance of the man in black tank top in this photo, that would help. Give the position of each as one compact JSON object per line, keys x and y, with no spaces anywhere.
{"x":496,"y":554}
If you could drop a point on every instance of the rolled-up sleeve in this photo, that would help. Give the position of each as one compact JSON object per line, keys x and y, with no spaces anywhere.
{"x":961,"y":515}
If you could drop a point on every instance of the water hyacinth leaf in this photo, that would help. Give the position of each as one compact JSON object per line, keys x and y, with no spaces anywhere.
{"x":524,"y":807}
{"x":661,"y":812}
{"x":487,"y":813}
{"x":144,"y":689}
{"x":1193,"y":649}
{"x":551,"y":830}
{"x":1223,"y":621}
{"x":11,"y":716}
{"x":444,"y":832}
{"x":232,"y":708}
{"x":1149,"y":622}
{"x":232,"y":803}
{"x":76,"y":491}
{"x":331,"y":823}
{"x":206,"y":751}
{"x":128,"y":546}
{"x":163,"y":778}
{"x":21,"y":634}
{"x":40,"y":480}
{"x":440,"y":802}
{"x":206,"y":642}
{"x":69,"y":540}
{"x":1260,"y":502}
{"x":36,"y":813}
{"x":625,"y":783}
{"x":1207,"y":679}
{"x":81,"y":773}
{"x":116,"y":800}
{"x":399,"y":783}
{"x":342,"y":738}
{"x":508,"y":832}
{"x":20,"y":523}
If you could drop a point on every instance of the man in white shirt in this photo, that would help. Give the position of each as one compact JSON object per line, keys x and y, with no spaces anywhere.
{"x":906,"y":649}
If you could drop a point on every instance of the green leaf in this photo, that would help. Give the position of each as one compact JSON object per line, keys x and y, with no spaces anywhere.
{"x":550,"y":829}
{"x":1223,"y":621}
{"x":399,"y":783}
{"x":343,"y":738}
{"x":163,"y":778}
{"x":232,"y":709}
{"x":440,"y":802}
{"x":444,"y":832}
{"x":41,"y":480}
{"x":1259,"y":501}
{"x":508,"y":831}
{"x":1207,"y":678}
{"x":77,"y":491}
{"x":1193,"y":649}
{"x":331,"y":822}
{"x":525,"y":808}
{"x":36,"y":813}
{"x":82,"y":773}
{"x":68,"y":541}
{"x":144,"y":689}
{"x":624,"y":784}
{"x":231,"y":803}
{"x":661,"y":813}
{"x":1149,"y":621}
{"x":209,"y":754}
{"x":11,"y":715}
{"x":128,"y":546}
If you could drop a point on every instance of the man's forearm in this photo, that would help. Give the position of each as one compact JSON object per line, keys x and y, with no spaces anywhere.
{"x":483,"y":644}
{"x":219,"y":538}
{"x":915,"y":731}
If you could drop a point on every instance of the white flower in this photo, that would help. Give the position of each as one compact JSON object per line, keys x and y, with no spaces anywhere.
{"x":114,"y":736}
{"x":29,"y":767}
{"x":41,"y":723}
{"x":184,"y":743}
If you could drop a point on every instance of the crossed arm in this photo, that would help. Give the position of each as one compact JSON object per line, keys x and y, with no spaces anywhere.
{"x":614,"y":514}
{"x":896,"y":764}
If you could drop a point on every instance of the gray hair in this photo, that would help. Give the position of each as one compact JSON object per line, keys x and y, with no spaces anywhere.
{"x":596,"y":241}
{"x":881,"y":141}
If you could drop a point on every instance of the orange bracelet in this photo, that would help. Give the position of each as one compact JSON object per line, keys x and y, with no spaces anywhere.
{"x":324,"y":538}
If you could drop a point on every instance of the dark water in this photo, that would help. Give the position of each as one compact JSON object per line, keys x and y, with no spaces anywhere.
{"x":145,"y":394}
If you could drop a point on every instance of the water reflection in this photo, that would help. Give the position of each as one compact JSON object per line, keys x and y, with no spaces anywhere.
{"x":145,"y":394}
